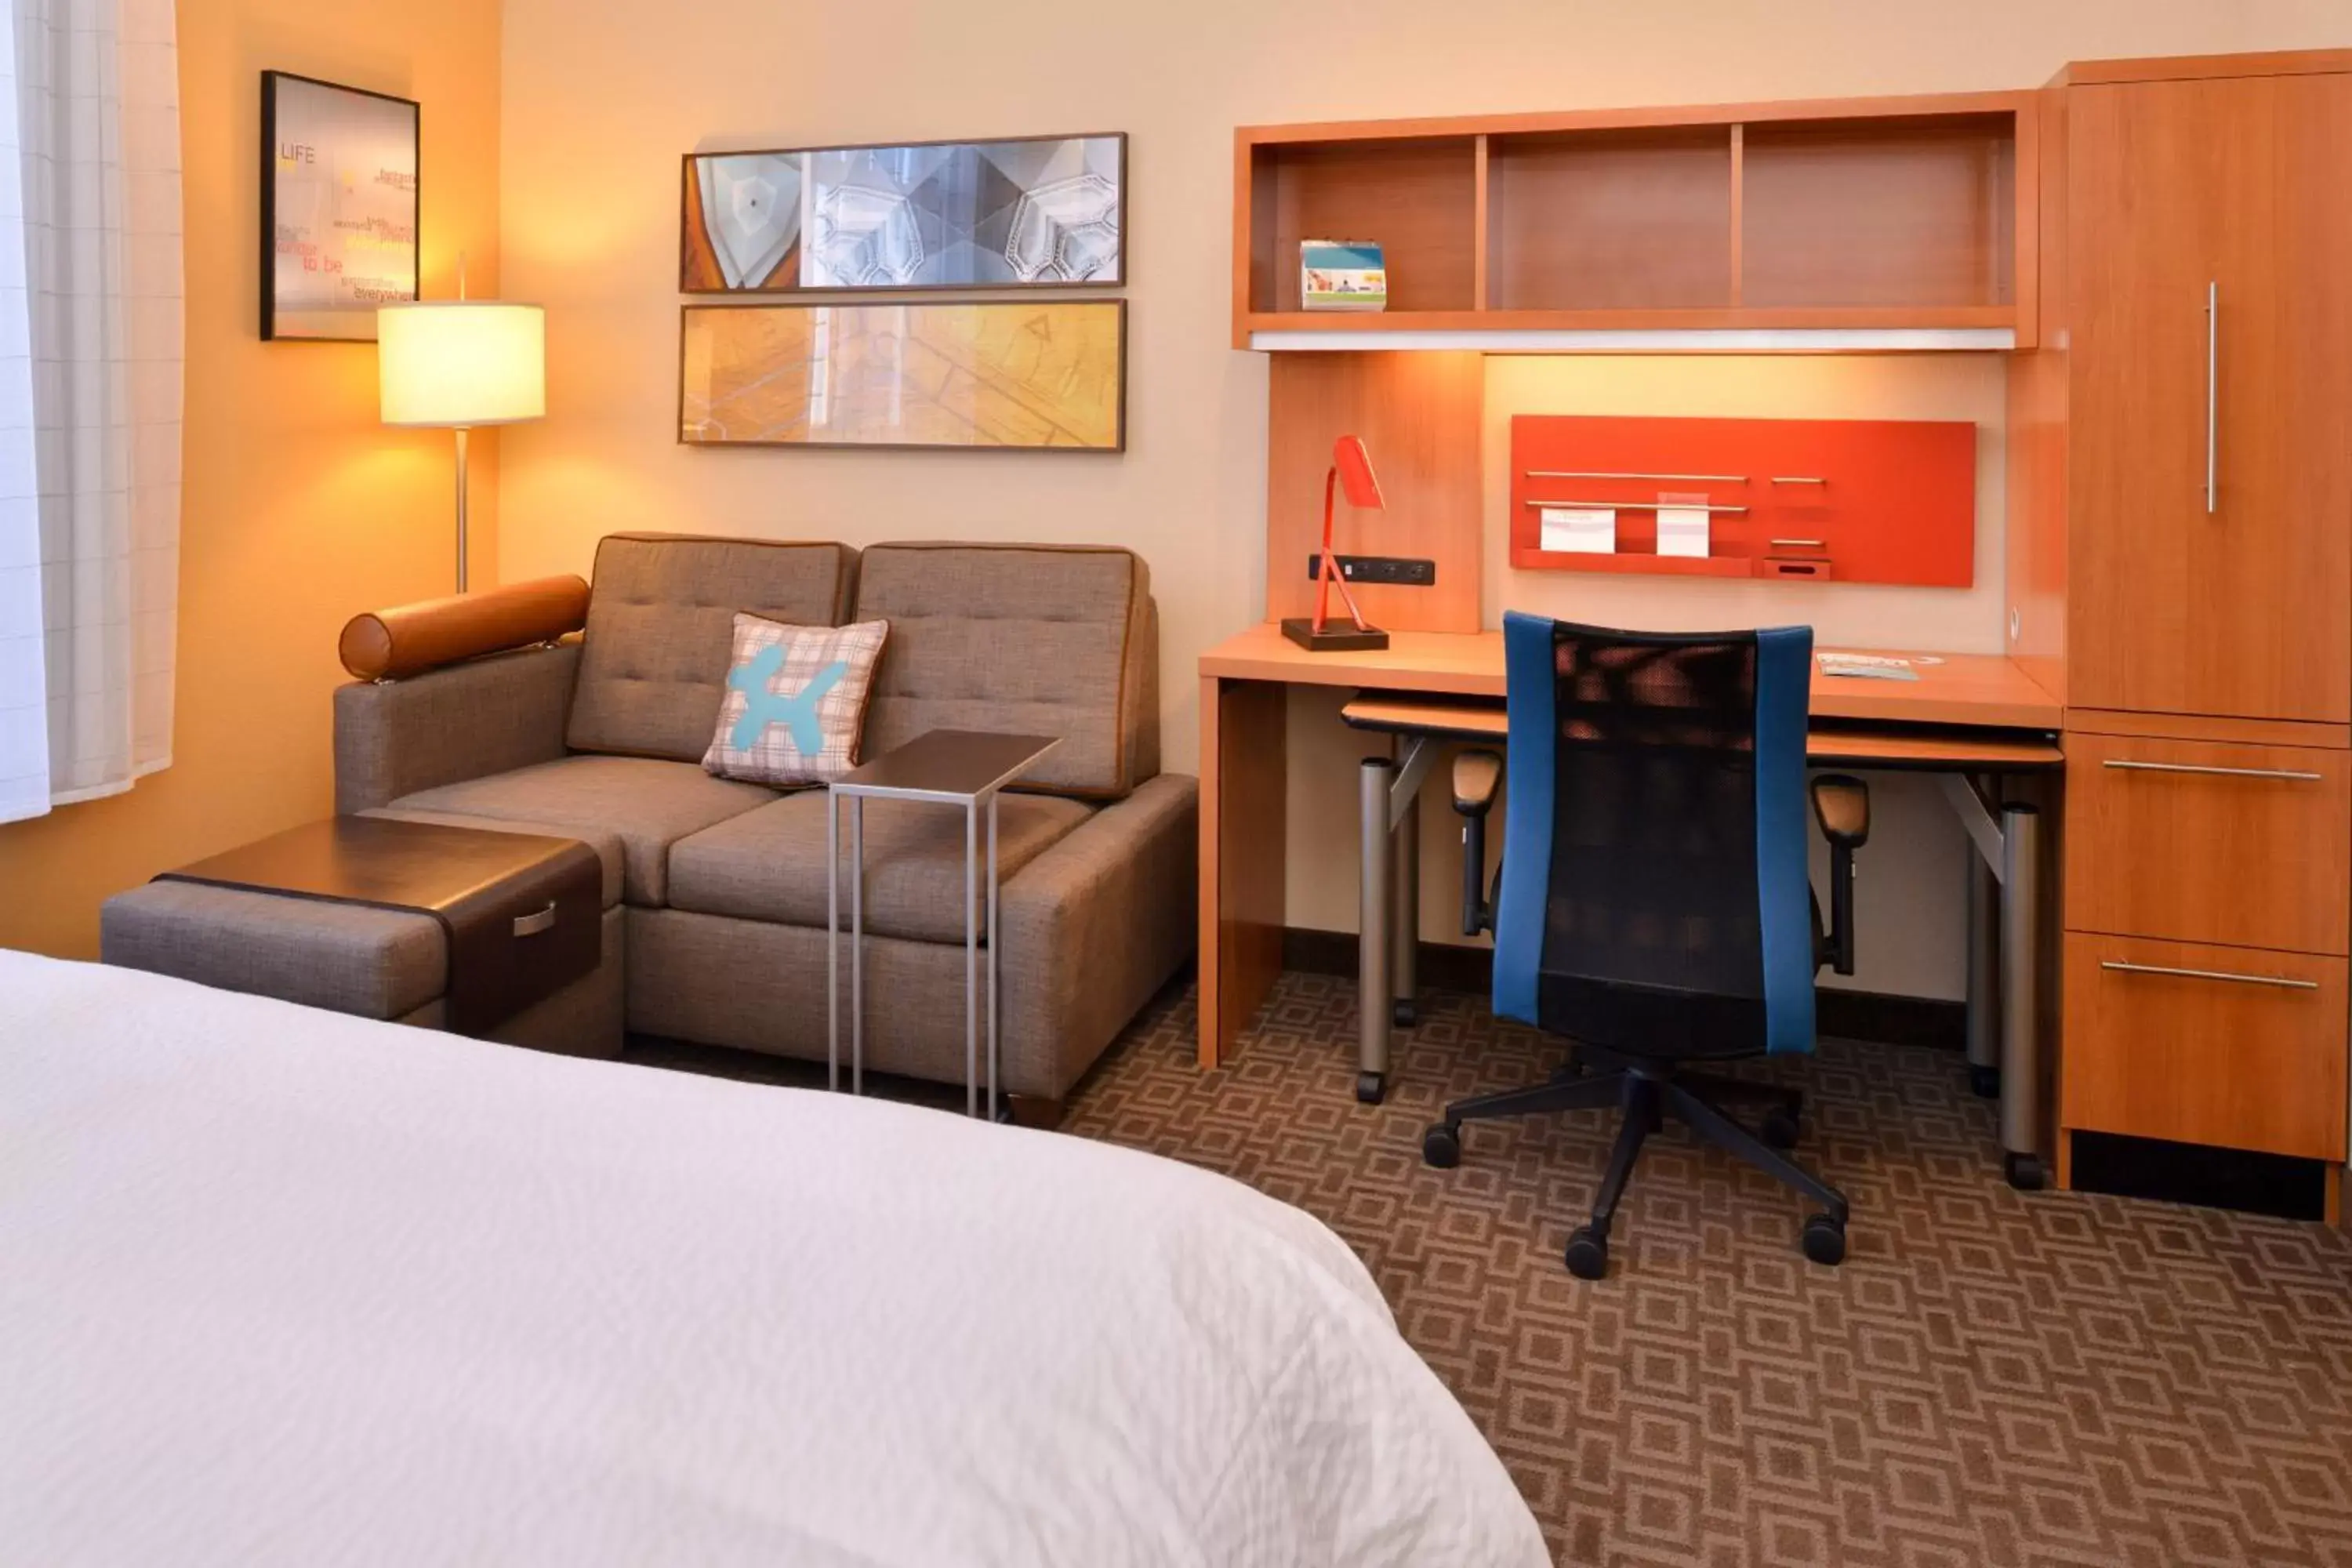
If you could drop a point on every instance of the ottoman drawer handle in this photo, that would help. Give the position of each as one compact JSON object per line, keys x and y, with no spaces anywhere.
{"x":536,"y":921}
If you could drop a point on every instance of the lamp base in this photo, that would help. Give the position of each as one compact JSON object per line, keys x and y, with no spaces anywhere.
{"x":1337,"y":637}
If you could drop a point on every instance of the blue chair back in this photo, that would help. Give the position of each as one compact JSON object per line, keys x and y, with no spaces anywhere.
{"x":1654,"y":895}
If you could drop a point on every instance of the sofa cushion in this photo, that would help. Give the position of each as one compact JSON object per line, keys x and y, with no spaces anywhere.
{"x":652,"y":662}
{"x":1033,"y":640}
{"x":646,"y":804}
{"x":350,"y":958}
{"x":769,"y":864}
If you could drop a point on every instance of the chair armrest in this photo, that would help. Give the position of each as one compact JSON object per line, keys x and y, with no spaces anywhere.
{"x":1842,"y":806}
{"x":1476,"y":775}
{"x":461,"y":721}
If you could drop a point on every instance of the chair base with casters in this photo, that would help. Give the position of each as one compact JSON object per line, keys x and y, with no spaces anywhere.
{"x":1648,"y":1086}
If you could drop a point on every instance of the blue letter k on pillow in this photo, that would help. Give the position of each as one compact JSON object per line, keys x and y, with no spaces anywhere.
{"x":795,"y":701}
{"x":763,"y":707}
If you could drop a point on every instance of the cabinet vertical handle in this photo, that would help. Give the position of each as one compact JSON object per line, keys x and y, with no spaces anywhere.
{"x":2212,"y":396}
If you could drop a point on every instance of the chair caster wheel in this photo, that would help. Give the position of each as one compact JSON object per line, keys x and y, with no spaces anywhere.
{"x":2024,"y":1172}
{"x":1588,"y":1253}
{"x":1369,"y":1086}
{"x":1779,"y":1129}
{"x":1823,"y":1239}
{"x":1569,"y":1070}
{"x":1403,"y":1013}
{"x":1441,"y":1147}
{"x":1984,"y":1082}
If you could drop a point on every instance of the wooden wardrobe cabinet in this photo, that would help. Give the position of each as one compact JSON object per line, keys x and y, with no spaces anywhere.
{"x":2209,"y":309}
{"x":2181,"y":573}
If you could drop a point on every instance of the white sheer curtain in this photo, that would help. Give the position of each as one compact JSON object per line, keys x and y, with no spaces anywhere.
{"x":90,"y":348}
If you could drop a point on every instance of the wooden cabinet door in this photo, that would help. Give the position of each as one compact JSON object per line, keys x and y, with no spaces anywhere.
{"x":2226,"y":193}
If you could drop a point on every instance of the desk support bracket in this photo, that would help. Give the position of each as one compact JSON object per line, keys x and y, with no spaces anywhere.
{"x":1976,"y":816}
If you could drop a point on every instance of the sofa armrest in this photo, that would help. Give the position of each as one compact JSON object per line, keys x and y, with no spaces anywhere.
{"x":460,"y":721}
{"x":1092,"y":928}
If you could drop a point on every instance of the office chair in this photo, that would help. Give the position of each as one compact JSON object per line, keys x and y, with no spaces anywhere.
{"x":1653,"y":902}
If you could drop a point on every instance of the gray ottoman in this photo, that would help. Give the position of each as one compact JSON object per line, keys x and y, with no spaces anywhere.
{"x":390,"y":964}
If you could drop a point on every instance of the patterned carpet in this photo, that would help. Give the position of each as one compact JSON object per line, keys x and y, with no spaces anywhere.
{"x":1991,"y":1378}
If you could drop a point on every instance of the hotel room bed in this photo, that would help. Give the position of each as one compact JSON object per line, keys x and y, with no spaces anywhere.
{"x":278,"y":1285}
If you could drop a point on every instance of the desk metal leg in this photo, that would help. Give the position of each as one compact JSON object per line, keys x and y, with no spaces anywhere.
{"x":2021,"y":1014}
{"x":2010,"y":848}
{"x":1984,"y":978}
{"x":1374,"y":946}
{"x":1404,"y":918}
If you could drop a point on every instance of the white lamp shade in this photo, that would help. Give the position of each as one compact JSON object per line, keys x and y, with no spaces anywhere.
{"x":462,"y":363}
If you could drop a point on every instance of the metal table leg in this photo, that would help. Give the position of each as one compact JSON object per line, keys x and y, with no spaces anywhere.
{"x":971,"y":959}
{"x":857,"y":944}
{"x":833,"y":942}
{"x":1373,"y":943}
{"x":2010,"y":849}
{"x":1404,"y":918}
{"x":995,"y":967}
{"x":2020,"y":1019}
{"x":1984,"y":978}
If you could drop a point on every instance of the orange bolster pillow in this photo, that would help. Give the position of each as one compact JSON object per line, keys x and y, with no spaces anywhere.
{"x":386,"y":645}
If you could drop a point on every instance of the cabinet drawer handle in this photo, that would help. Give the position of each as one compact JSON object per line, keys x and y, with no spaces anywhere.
{"x":536,"y":921}
{"x":2283,"y":983}
{"x":2296,"y":774}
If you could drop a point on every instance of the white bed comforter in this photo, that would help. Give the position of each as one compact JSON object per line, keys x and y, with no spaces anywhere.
{"x":279,"y":1286}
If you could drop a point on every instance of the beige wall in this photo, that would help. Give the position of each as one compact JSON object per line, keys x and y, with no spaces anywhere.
{"x":298,"y":507}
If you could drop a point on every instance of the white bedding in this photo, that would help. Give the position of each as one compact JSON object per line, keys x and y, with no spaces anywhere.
{"x":279,"y":1286}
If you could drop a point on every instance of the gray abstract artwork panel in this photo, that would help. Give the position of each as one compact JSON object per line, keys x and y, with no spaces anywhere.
{"x":944,"y":216}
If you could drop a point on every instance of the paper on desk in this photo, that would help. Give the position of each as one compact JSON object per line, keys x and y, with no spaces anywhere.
{"x":1580,"y":531}
{"x":1868,"y":667}
{"x":1681,"y":530}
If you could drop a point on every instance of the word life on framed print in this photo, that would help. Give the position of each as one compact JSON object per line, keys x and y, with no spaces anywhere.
{"x":1042,"y":211}
{"x":338,"y":207}
{"x":996,"y":375}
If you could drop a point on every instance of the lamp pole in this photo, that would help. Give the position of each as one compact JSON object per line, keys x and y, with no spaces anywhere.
{"x":461,"y":508}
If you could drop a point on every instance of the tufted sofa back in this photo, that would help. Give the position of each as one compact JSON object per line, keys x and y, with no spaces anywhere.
{"x":652,"y":662}
{"x":1042,"y":639}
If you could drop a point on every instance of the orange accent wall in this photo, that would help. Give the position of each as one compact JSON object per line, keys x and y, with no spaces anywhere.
{"x":298,"y":507}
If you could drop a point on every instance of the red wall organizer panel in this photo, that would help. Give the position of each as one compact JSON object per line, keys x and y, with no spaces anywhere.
{"x":1846,"y":500}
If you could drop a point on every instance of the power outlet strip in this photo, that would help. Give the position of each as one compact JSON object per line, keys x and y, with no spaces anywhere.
{"x":1400,"y":571}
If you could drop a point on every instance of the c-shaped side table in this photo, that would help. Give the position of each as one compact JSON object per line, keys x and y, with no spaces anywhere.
{"x":951,"y":767}
{"x":2004,"y":926}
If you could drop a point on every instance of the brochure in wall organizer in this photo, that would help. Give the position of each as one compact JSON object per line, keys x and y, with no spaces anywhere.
{"x":1342,"y":275}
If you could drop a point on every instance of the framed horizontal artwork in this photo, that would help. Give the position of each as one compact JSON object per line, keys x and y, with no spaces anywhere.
{"x":1044,"y":375}
{"x":1045,"y":211}
{"x":338,"y":210}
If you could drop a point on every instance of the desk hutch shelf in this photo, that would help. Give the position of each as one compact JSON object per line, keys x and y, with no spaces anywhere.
{"x":1879,"y":215}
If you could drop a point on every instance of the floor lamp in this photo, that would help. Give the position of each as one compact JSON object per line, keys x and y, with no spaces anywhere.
{"x":458,"y":365}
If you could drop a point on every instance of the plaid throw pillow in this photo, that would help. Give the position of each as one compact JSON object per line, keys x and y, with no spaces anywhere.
{"x":795,"y":701}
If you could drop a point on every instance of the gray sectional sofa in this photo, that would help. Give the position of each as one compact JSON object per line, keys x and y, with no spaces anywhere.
{"x":721,"y":885}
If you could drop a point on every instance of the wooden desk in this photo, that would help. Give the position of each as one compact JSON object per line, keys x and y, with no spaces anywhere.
{"x":1970,"y":714}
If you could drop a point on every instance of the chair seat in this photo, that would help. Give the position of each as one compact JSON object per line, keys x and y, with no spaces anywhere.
{"x":646,"y":803}
{"x":769,"y":864}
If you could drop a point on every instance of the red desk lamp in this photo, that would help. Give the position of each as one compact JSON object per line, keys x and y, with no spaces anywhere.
{"x":1351,"y":467}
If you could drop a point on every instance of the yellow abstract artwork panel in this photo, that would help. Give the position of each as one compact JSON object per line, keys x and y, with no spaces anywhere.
{"x":1048,"y":375}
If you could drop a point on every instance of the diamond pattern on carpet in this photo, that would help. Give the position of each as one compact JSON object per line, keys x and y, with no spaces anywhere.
{"x":1991,"y":1378}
